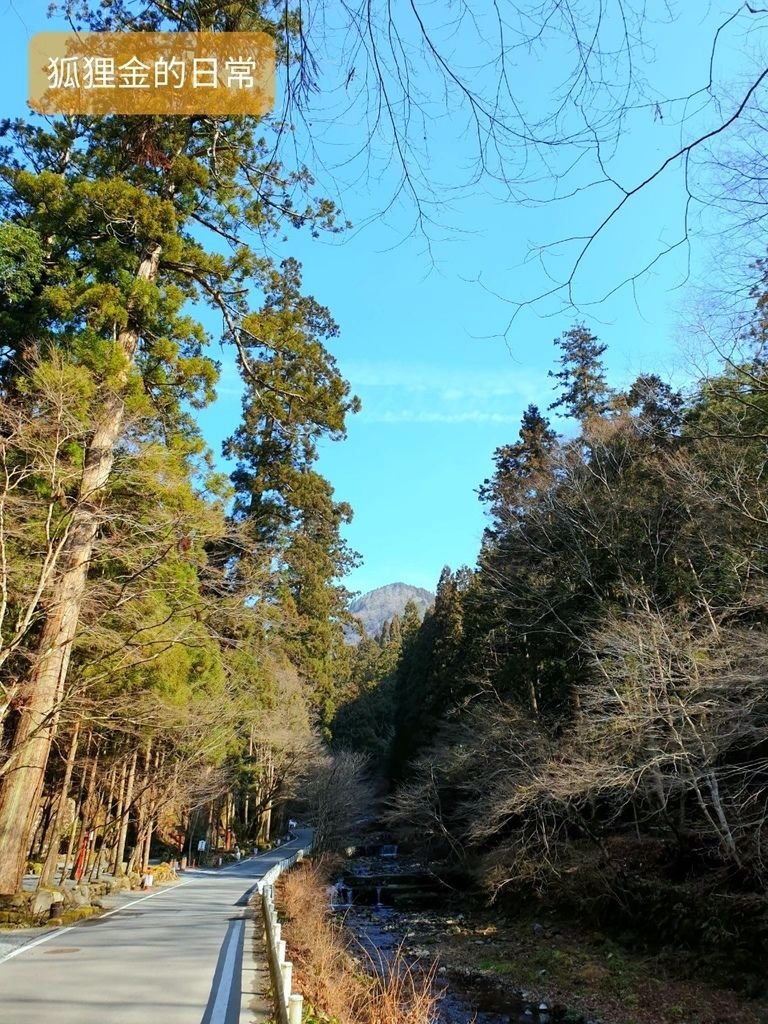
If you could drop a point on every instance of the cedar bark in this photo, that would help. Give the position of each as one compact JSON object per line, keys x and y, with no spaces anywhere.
{"x":48,"y":874}
{"x":90,"y":805}
{"x":143,"y":814}
{"x":41,"y":828}
{"x":152,"y":809}
{"x":265,"y":827}
{"x":77,"y":824}
{"x":42,"y":691}
{"x":246,"y":811}
{"x":118,"y":816}
{"x":147,"y":846}
{"x":128,"y":803}
{"x":102,"y":826}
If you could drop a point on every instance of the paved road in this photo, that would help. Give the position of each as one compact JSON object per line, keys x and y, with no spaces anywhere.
{"x":173,"y":957}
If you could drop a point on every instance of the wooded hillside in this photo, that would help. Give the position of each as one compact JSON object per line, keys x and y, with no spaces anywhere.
{"x":586,"y":712}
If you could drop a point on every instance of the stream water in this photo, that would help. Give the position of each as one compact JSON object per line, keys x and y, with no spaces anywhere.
{"x":387,"y":902}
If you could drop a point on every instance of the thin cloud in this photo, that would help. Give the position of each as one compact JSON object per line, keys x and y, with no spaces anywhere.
{"x":435,"y":416}
{"x":395,"y":393}
{"x":448,"y":384}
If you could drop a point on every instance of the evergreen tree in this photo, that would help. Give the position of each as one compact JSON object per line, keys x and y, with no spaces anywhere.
{"x":296,"y":397}
{"x":430,"y":678}
{"x":522,"y":469}
{"x":658,"y":407}
{"x":581,"y":381}
{"x":137,"y":218}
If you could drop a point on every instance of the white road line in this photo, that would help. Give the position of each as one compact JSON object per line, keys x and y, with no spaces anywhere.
{"x":36,"y":942}
{"x":219,"y":1009}
{"x":62,"y":931}
{"x":133,"y":903}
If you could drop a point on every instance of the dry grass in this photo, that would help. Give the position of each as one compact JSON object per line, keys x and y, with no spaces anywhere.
{"x":350,"y":987}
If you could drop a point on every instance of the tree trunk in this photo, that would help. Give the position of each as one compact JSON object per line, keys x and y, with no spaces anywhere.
{"x":41,"y":828}
{"x":120,"y":851}
{"x":77,"y":821}
{"x":717,"y":803}
{"x":48,"y":874}
{"x":152,"y":804}
{"x":210,"y":834}
{"x":102,"y":826}
{"x":265,"y":827}
{"x":89,"y":814}
{"x":246,"y":809}
{"x":227,"y":821}
{"x":118,"y":817}
{"x":147,"y":846}
{"x":42,"y":691}
{"x":136,"y":861}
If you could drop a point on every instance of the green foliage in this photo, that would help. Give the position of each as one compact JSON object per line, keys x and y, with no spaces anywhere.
{"x":210,"y":632}
{"x":295,"y":397}
{"x":523,"y":470}
{"x":431,"y":680}
{"x":364,"y":721}
{"x":21,"y":264}
{"x":582,"y":377}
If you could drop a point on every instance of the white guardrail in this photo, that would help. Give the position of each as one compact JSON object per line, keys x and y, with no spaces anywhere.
{"x":289,"y":1005}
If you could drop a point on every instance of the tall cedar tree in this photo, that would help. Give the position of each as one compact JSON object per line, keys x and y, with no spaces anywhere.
{"x":134,"y":218}
{"x":521,"y":470}
{"x":584,"y":391}
{"x":430,"y":681}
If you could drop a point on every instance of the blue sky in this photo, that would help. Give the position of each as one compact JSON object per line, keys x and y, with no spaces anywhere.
{"x":442,"y":377}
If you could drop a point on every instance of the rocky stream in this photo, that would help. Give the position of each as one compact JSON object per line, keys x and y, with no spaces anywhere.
{"x":389,"y":901}
{"x":520,"y":965}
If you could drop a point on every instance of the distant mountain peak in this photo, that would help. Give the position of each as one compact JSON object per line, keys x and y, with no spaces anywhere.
{"x":378,"y":606}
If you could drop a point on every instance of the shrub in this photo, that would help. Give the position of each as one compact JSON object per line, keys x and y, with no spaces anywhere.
{"x":163,"y":873}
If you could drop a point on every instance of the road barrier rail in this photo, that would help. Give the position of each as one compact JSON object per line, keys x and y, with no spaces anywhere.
{"x":289,"y":1006}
